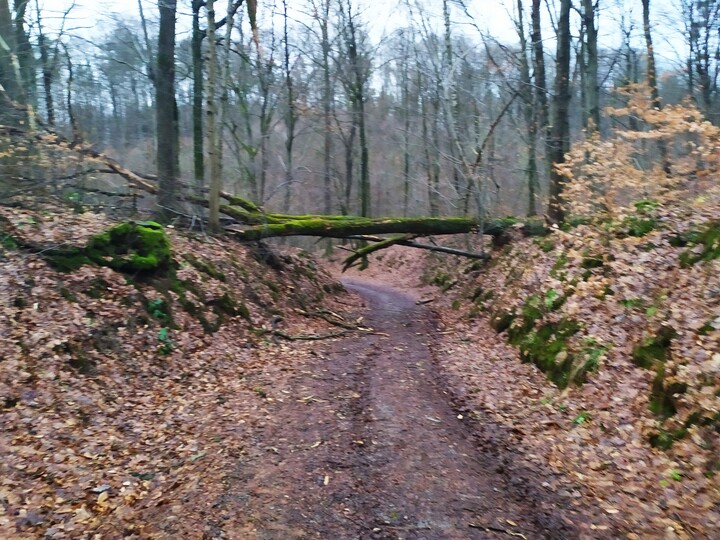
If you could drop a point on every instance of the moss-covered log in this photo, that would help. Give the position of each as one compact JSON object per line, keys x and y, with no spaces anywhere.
{"x":137,"y":248}
{"x":350,"y":226}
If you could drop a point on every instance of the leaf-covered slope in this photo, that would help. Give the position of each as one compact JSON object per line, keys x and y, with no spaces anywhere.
{"x":635,"y":316}
{"x":122,"y":396}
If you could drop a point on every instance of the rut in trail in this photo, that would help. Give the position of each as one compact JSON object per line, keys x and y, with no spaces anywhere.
{"x":375,"y":451}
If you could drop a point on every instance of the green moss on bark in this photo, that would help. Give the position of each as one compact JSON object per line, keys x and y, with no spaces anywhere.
{"x":708,"y":238}
{"x":133,"y":247}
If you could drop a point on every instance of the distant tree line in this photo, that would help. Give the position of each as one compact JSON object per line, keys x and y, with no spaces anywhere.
{"x":300,"y":107}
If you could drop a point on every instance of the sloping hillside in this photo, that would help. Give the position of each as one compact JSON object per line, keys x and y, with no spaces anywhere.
{"x":122,"y":393}
{"x":599,"y":346}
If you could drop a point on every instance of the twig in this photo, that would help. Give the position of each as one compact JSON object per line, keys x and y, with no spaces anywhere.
{"x":310,"y":337}
{"x":490,"y":528}
{"x":330,"y":317}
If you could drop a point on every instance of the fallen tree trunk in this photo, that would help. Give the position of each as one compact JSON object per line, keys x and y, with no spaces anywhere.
{"x":349,"y":226}
{"x":254,"y":224}
{"x":404,"y":240}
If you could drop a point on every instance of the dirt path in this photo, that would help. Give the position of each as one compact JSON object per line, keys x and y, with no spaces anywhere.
{"x":367,"y":446}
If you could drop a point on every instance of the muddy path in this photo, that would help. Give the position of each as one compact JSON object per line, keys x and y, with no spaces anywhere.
{"x":366,"y":445}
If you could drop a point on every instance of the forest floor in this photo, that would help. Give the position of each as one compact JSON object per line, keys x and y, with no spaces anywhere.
{"x":367,"y":445}
{"x":386,"y":410}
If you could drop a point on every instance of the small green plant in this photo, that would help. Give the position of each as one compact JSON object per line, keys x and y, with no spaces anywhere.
{"x":7,"y":242}
{"x":547,"y":245}
{"x":646,"y":206}
{"x":631,"y":303}
{"x":550,"y":297}
{"x":676,"y":474}
{"x":260,"y":392}
{"x":582,"y":418}
{"x":158,"y":308}
{"x":166,"y":345}
{"x":593,"y":352}
{"x":639,"y":227}
{"x":706,"y":244}
{"x":558,"y":266}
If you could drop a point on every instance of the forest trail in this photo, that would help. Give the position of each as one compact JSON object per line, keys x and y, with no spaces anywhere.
{"x":367,"y":446}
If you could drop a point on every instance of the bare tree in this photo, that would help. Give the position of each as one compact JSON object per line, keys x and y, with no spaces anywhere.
{"x":591,"y":118}
{"x":559,"y":140}
{"x":291,"y":114}
{"x":166,"y":110}
{"x":652,"y":81}
{"x":529,"y":104}
{"x":702,"y":18}
{"x":213,"y":139}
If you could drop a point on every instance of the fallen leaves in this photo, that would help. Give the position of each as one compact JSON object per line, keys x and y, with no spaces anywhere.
{"x":99,"y":432}
{"x":595,"y":438}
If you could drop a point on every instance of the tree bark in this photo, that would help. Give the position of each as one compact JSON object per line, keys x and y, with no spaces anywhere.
{"x":212,"y":128}
{"x":559,"y":140}
{"x":592,"y":87}
{"x":46,"y":68}
{"x":327,"y":97}
{"x":10,"y":71}
{"x":539,"y":66}
{"x":291,"y":113}
{"x":652,"y":82}
{"x":166,"y":111}
{"x":197,"y":102}
{"x":529,"y":113}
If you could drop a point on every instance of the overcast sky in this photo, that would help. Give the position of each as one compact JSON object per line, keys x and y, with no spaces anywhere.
{"x":90,"y":17}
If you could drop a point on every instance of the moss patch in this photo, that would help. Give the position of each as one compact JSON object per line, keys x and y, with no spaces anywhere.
{"x":639,"y":226}
{"x":574,"y":221}
{"x":206,"y":267}
{"x":7,"y":242}
{"x":560,"y":264}
{"x":664,"y":439}
{"x":546,"y":347}
{"x":66,"y":260}
{"x":501,"y":321}
{"x":592,"y":261}
{"x":662,"y":394}
{"x":444,"y":281}
{"x":654,"y":349}
{"x":547,"y":245}
{"x":133,"y":248}
{"x":708,"y":238}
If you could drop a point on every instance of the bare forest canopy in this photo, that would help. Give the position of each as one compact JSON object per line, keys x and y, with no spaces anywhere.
{"x":270,"y":119}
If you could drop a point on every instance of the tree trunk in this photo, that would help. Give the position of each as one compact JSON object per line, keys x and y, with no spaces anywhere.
{"x":46,"y":68}
{"x":212,"y":128}
{"x":326,"y":227}
{"x":559,"y":141}
{"x":9,"y":75}
{"x":652,"y":82}
{"x":166,"y":111}
{"x":539,"y":65}
{"x":592,"y":87}
{"x":405,"y":81}
{"x":197,"y":102}
{"x":529,"y":113}
{"x":291,"y":113}
{"x":327,"y":97}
